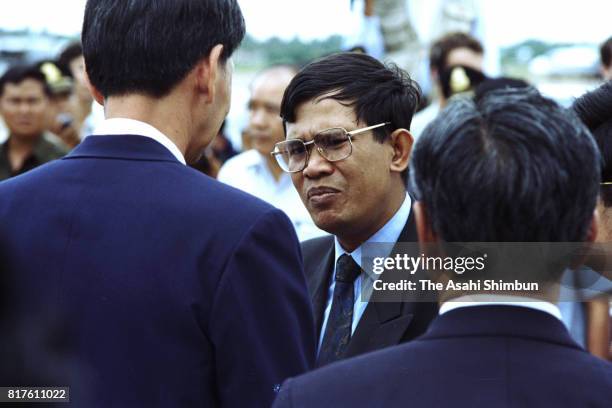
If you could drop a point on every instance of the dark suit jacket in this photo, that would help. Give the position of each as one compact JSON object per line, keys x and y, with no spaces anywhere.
{"x":169,"y":288}
{"x":484,"y":356}
{"x":382,"y":324}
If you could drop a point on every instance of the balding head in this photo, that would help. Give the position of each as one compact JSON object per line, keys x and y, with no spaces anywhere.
{"x":267,"y":89}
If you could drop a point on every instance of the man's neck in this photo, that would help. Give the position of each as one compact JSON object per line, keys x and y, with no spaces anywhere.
{"x":169,"y":118}
{"x":353,"y":239}
{"x":20,"y":149}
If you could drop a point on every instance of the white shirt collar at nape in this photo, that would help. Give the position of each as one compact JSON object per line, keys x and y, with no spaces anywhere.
{"x":124,"y":126}
{"x":496,"y":300}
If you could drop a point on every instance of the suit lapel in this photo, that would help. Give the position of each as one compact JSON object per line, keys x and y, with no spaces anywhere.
{"x":318,"y":285}
{"x":383,"y":324}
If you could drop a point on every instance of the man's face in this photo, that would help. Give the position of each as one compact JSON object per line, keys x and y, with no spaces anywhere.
{"x":23,"y":107}
{"x":347,"y":198}
{"x":265,"y":124}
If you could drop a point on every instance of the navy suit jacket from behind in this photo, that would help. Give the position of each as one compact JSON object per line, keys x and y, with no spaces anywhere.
{"x":159,"y":286}
{"x":472,"y":357}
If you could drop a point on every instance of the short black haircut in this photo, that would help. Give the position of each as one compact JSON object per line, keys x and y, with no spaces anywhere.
{"x":378,"y":93}
{"x":148,"y":47}
{"x":512,"y":166}
{"x":72,"y":51}
{"x":19,"y":73}
{"x":605,"y":52}
{"x":438,"y":53}
{"x":595,"y":110}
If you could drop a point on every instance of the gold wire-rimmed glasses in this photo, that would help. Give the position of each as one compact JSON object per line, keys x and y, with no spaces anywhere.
{"x":334,"y":144}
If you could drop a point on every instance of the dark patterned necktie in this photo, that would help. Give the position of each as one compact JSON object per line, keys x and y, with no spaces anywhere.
{"x":338,"y":329}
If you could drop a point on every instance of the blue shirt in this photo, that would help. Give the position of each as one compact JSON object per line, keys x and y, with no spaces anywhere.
{"x":389,"y":233}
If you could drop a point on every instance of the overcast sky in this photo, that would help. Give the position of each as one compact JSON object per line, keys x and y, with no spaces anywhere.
{"x":506,"y":21}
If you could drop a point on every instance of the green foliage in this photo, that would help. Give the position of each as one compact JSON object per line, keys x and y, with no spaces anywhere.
{"x":516,"y":57}
{"x":257,"y":54}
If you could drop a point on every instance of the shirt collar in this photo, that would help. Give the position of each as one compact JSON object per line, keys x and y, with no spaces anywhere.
{"x":389,"y":233}
{"x":124,"y":126}
{"x":503,"y":300}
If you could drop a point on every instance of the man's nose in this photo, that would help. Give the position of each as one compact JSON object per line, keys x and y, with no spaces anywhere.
{"x":317,"y":165}
{"x":24,"y":108}
{"x":258,"y":118}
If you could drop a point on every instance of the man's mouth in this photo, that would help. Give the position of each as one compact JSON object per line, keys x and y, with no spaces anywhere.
{"x":321,"y":195}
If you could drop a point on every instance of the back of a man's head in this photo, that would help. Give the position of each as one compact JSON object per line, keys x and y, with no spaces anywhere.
{"x":148,"y":47}
{"x":595,"y":110}
{"x":511,"y":166}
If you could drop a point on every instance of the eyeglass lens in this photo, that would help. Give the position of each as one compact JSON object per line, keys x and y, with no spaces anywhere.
{"x":332,"y":144}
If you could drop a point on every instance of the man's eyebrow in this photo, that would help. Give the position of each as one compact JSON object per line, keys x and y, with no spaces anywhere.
{"x":299,"y":135}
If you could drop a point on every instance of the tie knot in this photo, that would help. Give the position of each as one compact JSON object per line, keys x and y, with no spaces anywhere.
{"x":347,"y":269}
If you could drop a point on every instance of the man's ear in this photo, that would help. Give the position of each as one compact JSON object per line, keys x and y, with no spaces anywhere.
{"x":97,"y":95}
{"x":401,"y":141}
{"x":423,"y":224}
{"x":206,"y":72}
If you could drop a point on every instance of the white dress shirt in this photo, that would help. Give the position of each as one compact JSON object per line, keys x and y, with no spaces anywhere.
{"x":496,"y":300}
{"x":389,"y":233}
{"x":249,"y":172}
{"x":123,"y":126}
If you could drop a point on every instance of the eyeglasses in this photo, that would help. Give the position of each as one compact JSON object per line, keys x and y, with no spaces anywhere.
{"x":333,"y":144}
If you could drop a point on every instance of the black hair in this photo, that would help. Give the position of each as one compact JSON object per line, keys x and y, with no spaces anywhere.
{"x":143,"y":46}
{"x":605,"y":51}
{"x":595,"y":110}
{"x":19,"y":73}
{"x":378,"y":93}
{"x":438,"y":53}
{"x":511,"y":166}
{"x":72,"y":51}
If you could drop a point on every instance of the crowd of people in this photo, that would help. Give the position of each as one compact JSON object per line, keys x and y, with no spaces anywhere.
{"x":138,"y":281}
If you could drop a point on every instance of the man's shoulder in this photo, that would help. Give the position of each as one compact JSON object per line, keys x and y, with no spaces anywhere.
{"x":356,"y":381}
{"x":177,"y":186}
{"x":368,"y":379}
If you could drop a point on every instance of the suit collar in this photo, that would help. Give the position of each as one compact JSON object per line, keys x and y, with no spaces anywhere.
{"x":125,"y":126}
{"x":127,"y":147}
{"x":318,"y":282}
{"x":500,"y":321}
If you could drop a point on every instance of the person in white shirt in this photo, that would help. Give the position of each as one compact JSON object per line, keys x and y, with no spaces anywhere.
{"x":256,"y":171}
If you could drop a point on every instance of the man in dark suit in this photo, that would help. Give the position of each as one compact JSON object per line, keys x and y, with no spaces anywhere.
{"x":165,"y":287}
{"x":356,"y":112}
{"x":511,"y":166}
